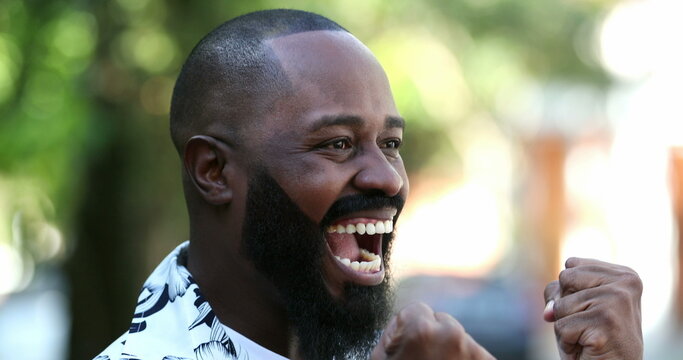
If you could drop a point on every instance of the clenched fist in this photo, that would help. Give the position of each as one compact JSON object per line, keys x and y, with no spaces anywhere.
{"x":417,"y":332}
{"x":596,"y":310}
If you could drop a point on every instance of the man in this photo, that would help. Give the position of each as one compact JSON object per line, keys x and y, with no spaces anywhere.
{"x":290,"y":139}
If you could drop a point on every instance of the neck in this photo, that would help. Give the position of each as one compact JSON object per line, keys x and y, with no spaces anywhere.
{"x":240,"y":297}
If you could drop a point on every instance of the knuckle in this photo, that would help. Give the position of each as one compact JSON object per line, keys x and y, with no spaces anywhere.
{"x":633,"y":281}
{"x":566,"y":277}
{"x":567,"y":348}
{"x":598,"y":340}
{"x":414,"y":310}
{"x":458,"y":328}
{"x":559,"y":326}
{"x":449,"y":322}
{"x":563,"y":327}
{"x":460,"y":341}
{"x":419,"y":304}
{"x":566,"y":335}
{"x":455,"y":338}
{"x":476,"y":350}
{"x":609,"y":319}
{"x":571,"y":262}
{"x":559,"y":308}
{"x":417,"y":309}
{"x":401,"y":317}
{"x":624,"y":294}
{"x":604,"y":317}
{"x":550,"y":289}
{"x":424,"y":329}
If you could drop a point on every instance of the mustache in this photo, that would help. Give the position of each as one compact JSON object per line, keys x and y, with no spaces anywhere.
{"x":361,"y":202}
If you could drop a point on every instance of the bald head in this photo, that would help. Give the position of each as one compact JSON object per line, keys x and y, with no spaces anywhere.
{"x":287,"y":125}
{"x":231,"y":78}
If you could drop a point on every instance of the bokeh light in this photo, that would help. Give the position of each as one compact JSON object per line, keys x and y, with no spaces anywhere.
{"x":457,"y":231}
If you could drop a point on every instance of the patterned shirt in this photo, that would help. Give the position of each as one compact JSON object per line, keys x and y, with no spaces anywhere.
{"x":173,"y":321}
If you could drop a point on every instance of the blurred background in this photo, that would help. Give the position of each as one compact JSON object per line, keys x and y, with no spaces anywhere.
{"x":537,"y":130}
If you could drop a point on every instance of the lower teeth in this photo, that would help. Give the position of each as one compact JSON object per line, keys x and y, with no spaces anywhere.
{"x":373,"y":264}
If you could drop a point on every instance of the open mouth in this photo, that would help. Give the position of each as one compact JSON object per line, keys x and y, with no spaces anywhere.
{"x":357,"y":243}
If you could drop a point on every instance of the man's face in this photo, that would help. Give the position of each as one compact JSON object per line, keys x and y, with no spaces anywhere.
{"x":336,"y":135}
{"x":328,"y":186}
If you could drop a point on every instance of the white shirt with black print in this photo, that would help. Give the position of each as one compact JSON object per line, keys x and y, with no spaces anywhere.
{"x":173,"y":321}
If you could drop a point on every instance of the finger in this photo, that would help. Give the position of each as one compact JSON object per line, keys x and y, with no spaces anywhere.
{"x":571,"y":304}
{"x":573,"y":262}
{"x":411,"y":316}
{"x":550,"y":294}
{"x":385,"y":341}
{"x":579,"y":301}
{"x":447,"y":321}
{"x":450,"y":331}
{"x":444,"y":317}
{"x":585,"y":277}
{"x":570,"y":331}
{"x":597,"y":266}
{"x":389,"y":333}
{"x":413,"y":311}
{"x":552,"y":291}
{"x":378,"y":353}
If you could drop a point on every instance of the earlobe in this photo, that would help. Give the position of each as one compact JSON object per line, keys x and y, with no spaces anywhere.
{"x":206,"y":162}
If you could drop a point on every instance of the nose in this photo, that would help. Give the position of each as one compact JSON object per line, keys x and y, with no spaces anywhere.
{"x":378,"y":174}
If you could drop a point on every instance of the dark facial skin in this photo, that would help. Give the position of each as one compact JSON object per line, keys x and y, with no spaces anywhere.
{"x":336,"y":135}
{"x":339,"y":133}
{"x":289,"y":249}
{"x":332,"y":136}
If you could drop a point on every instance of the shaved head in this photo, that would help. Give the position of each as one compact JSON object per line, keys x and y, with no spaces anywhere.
{"x":281,"y":117}
{"x":232,"y":78}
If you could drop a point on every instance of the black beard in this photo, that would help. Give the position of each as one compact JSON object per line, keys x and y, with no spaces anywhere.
{"x":288,"y":248}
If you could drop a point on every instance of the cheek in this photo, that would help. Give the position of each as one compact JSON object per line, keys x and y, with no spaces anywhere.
{"x":400,"y":168}
{"x":406,"y":186}
{"x":313,"y":187}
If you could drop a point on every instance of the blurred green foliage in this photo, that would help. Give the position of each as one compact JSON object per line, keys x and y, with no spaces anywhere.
{"x":85,"y":90}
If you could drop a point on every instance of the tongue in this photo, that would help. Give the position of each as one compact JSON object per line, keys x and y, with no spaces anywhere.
{"x":344,"y":245}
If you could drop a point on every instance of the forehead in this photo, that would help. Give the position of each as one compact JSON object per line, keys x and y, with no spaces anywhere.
{"x":331,"y":74}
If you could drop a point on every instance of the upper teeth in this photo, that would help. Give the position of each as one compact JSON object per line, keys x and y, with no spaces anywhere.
{"x":380,"y":227}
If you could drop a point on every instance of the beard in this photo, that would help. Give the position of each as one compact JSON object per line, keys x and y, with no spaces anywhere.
{"x":288,"y":248}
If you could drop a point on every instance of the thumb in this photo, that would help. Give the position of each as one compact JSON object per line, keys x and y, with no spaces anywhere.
{"x":551,"y":294}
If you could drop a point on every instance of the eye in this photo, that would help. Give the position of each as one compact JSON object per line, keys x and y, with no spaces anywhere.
{"x":392,"y":144}
{"x":338,"y":144}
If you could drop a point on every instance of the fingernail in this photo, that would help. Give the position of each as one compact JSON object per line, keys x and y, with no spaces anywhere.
{"x":549,"y":311}
{"x":549,"y":306}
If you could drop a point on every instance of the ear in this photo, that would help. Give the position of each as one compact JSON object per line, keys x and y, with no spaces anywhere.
{"x":207,"y":162}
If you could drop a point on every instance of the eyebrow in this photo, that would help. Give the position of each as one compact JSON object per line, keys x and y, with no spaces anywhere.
{"x":394,"y":122}
{"x":353,"y":121}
